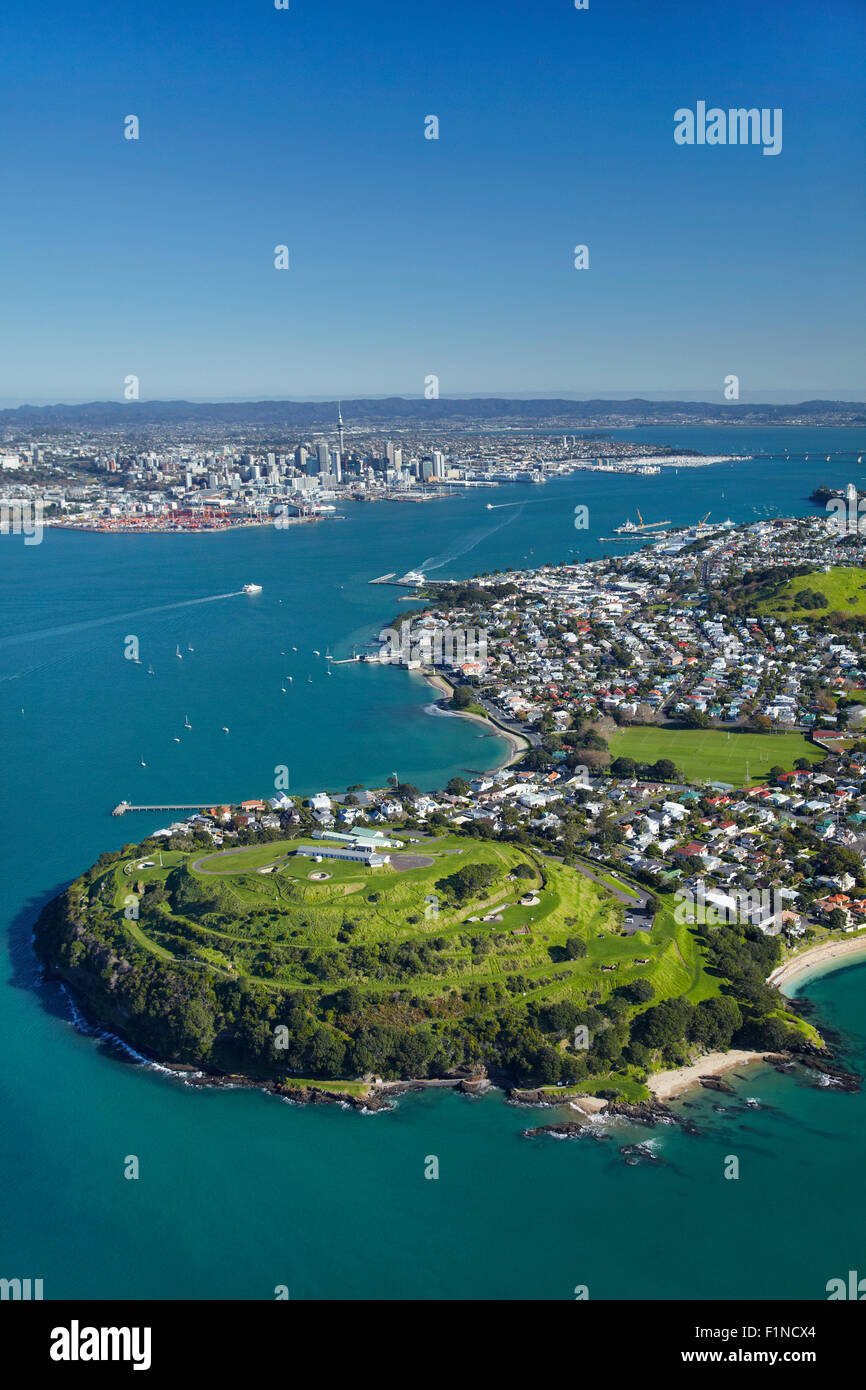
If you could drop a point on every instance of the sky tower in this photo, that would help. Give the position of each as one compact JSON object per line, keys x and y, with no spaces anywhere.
{"x":340,"y":427}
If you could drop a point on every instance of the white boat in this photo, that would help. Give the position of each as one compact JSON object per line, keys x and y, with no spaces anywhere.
{"x":150,"y":671}
{"x":177,"y":653}
{"x":143,"y":763}
{"x":252,"y":588}
{"x":225,"y":728}
{"x":186,"y":723}
{"x":315,"y":653}
{"x":177,"y":740}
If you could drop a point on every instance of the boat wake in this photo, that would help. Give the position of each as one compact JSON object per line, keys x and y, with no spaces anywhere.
{"x":38,"y":634}
{"x":435,"y":562}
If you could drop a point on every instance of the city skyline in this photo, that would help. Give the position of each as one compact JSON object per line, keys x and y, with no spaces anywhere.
{"x":412,"y":257}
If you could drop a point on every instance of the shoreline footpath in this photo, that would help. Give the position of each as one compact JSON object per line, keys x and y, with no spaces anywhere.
{"x":518,"y":744}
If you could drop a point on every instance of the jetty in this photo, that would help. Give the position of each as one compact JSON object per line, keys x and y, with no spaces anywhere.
{"x":123,"y":806}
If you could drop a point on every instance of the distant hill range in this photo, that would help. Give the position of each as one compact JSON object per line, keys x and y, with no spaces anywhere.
{"x":406,"y":411}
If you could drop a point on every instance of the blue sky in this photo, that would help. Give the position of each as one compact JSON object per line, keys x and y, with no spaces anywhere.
{"x":412,"y":257}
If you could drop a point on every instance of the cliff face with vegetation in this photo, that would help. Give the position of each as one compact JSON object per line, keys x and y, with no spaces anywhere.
{"x":476,"y":954}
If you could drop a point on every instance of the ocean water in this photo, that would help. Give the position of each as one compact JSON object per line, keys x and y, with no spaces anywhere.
{"x":240,"y":1192}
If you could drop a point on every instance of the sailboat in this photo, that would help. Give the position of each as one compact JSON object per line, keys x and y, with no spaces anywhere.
{"x":289,"y":679}
{"x":143,"y":763}
{"x":294,"y":649}
{"x":310,"y":680}
{"x":225,"y":728}
{"x":283,"y":688}
{"x":315,"y":653}
{"x":150,"y":670}
{"x":177,"y":653}
{"x":177,"y":740}
{"x":186,"y":723}
{"x":189,"y":648}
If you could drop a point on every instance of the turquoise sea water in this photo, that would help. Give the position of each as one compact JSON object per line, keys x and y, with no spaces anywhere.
{"x":239,"y":1192}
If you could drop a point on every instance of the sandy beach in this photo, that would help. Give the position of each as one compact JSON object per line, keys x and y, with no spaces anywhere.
{"x":517,"y":745}
{"x":816,"y":957}
{"x":664,"y":1085}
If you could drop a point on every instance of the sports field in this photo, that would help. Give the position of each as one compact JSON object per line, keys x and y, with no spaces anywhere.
{"x":844,"y":589}
{"x":714,"y":754}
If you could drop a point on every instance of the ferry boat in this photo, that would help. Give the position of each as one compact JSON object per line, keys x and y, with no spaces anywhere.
{"x":252,"y":588}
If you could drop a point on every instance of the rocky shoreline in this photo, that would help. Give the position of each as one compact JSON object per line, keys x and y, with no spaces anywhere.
{"x":379,"y":1095}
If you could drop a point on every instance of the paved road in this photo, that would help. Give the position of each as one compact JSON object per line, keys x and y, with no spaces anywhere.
{"x":635,"y":900}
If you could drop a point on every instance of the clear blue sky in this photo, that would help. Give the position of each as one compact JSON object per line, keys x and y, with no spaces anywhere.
{"x":411,"y":256}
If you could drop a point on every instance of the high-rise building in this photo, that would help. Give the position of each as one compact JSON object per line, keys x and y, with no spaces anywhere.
{"x":438,"y":464}
{"x":301,"y":458}
{"x":324,"y":456}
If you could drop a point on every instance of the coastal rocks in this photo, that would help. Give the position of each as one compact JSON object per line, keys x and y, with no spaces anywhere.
{"x":817,"y":1063}
{"x":828,"y":1073}
{"x":644,"y":1112}
{"x":651,"y":1112}
{"x":639,"y":1153}
{"x":715,"y":1083}
{"x":518,"y":1096}
{"x":474,"y":1086}
{"x":569,"y":1129}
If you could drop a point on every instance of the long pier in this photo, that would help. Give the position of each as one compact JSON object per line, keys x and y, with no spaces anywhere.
{"x":123,"y":806}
